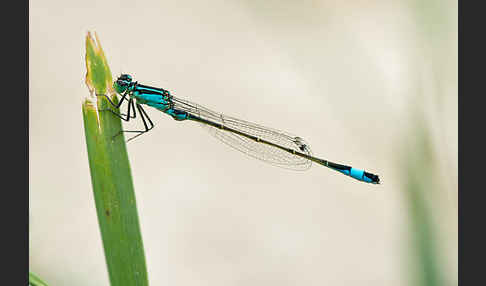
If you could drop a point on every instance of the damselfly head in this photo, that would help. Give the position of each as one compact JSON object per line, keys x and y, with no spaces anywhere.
{"x":125,"y":77}
{"x":122,"y":83}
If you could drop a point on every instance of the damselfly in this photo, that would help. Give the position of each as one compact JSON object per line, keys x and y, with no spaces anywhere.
{"x":267,"y":144}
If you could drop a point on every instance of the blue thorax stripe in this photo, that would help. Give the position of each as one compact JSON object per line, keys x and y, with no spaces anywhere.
{"x":149,"y":90}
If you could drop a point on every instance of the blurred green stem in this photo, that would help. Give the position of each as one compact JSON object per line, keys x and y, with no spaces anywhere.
{"x":421,"y":183}
{"x":35,"y":281}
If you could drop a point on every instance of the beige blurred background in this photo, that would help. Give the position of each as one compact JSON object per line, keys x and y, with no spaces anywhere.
{"x":372,"y":84}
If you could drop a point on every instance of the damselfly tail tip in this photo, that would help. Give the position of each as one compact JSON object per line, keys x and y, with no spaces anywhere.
{"x":373,"y":178}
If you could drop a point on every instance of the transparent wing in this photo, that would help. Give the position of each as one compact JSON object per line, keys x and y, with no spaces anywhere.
{"x":248,"y":146}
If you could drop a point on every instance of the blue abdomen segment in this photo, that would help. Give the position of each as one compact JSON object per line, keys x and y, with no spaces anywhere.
{"x":358,"y":174}
{"x":177,"y":114}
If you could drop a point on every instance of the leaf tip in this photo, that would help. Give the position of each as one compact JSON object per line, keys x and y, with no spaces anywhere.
{"x":98,"y":75}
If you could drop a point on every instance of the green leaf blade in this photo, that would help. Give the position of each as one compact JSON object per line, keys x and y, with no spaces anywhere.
{"x":111,"y":177}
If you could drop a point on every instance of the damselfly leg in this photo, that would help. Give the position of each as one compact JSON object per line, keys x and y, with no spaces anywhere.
{"x":131,"y":113}
{"x":144,"y":116}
